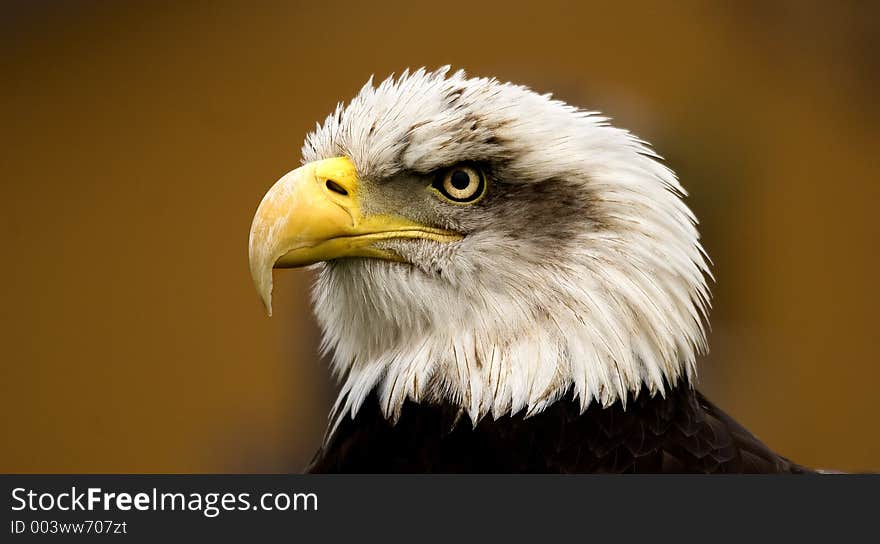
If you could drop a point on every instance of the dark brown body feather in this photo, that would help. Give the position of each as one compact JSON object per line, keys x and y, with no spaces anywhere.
{"x":681,"y":433}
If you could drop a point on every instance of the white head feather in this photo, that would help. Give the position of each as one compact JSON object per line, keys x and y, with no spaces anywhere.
{"x":525,"y":308}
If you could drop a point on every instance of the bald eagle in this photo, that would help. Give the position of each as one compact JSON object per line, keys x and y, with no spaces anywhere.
{"x":506,"y":284}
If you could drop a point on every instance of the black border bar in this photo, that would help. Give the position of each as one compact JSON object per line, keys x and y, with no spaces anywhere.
{"x":412,"y":508}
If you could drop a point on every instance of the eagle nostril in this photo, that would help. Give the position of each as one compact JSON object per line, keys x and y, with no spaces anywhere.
{"x":336,"y":188}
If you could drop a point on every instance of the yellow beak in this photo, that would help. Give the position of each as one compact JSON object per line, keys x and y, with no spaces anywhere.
{"x":314,"y":214}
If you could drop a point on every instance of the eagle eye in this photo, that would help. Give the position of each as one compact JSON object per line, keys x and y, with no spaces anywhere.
{"x":461,"y":184}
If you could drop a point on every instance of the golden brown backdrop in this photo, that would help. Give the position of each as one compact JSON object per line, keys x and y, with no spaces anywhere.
{"x":138,"y":138}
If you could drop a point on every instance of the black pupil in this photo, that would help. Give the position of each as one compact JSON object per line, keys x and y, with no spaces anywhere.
{"x":460,"y":179}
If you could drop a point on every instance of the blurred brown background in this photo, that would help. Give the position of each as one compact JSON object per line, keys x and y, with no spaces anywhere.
{"x":138,"y":138}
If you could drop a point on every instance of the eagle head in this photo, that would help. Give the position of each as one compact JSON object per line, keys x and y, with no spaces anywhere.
{"x":481,"y":245}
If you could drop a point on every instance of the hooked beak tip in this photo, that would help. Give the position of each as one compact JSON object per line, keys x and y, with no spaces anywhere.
{"x":267,"y":301}
{"x":261,"y":274}
{"x":263,"y":283}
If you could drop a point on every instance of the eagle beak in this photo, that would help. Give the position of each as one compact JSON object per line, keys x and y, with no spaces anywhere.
{"x":313,"y":214}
